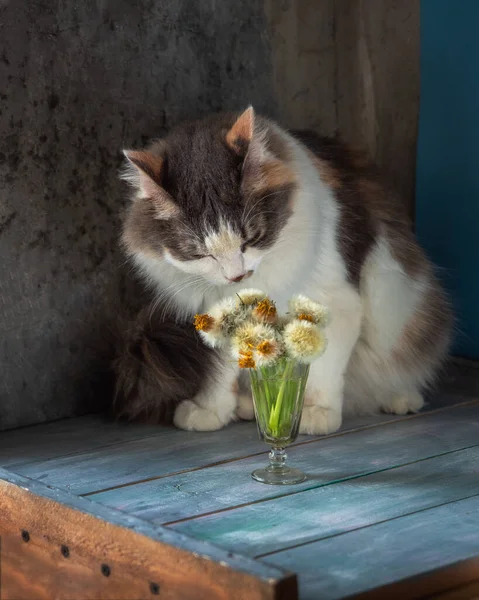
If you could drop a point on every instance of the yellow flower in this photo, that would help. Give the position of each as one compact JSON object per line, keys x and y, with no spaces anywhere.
{"x":304,"y":341}
{"x":266,"y":311}
{"x":246,"y":360}
{"x":305,"y":309}
{"x":204,"y":322}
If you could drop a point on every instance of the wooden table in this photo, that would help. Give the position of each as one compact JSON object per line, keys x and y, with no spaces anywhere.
{"x":94,"y":509}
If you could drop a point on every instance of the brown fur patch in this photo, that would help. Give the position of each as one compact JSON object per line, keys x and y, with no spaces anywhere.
{"x":273,"y":175}
{"x":329,"y":175}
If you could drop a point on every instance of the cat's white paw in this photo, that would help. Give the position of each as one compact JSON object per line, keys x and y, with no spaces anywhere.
{"x":317,"y":420}
{"x":192,"y":417}
{"x":244,"y":407}
{"x":402,"y":404}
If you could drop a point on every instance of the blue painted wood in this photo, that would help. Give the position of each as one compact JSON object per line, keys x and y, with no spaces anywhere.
{"x":67,"y":436}
{"x":385,"y":553}
{"x":301,"y":518}
{"x":326,"y":461}
{"x":447,"y":195}
{"x":167,"y":451}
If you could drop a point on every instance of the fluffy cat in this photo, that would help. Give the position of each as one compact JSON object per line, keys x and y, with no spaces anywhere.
{"x":235,"y":197}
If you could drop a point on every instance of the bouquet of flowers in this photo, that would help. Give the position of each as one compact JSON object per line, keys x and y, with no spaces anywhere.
{"x":276,"y":348}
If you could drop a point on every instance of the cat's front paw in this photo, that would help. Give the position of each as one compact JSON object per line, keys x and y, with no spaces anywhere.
{"x":402,"y":404}
{"x":192,"y":417}
{"x":244,"y":407}
{"x":317,"y":420}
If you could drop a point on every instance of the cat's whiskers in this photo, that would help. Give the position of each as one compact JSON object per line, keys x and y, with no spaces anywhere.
{"x":166,"y":293}
{"x":181,"y":289}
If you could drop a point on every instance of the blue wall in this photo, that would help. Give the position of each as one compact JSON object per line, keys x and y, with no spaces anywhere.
{"x":447,"y":203}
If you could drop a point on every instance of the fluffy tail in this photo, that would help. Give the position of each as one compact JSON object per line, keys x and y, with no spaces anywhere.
{"x":158,"y":365}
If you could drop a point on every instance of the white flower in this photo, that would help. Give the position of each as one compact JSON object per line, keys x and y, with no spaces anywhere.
{"x":304,"y":309}
{"x":304,"y":340}
{"x":250,"y":297}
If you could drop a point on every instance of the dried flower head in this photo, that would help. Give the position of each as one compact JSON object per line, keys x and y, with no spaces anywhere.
{"x":246,"y":360}
{"x":248,"y":335}
{"x":204,"y":322}
{"x":266,"y":311}
{"x":267,"y":352}
{"x":250,"y":297}
{"x":304,"y":341}
{"x":305,"y":309}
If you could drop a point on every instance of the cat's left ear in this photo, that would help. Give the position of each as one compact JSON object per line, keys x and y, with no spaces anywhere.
{"x":145,"y":172}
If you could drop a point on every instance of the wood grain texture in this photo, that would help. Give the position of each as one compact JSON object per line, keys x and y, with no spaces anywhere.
{"x":326,"y":461}
{"x":135,"y":553}
{"x":171,"y":451}
{"x":352,"y":67}
{"x":391,"y":554}
{"x":67,"y":436}
{"x":326,"y":511}
{"x":377,"y":83}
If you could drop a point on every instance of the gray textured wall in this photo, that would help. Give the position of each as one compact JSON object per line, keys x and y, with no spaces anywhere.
{"x":79,"y":81}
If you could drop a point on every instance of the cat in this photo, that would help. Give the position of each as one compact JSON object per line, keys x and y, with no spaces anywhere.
{"x":234,"y":201}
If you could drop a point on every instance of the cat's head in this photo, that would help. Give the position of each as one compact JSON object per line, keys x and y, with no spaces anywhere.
{"x":212,"y":197}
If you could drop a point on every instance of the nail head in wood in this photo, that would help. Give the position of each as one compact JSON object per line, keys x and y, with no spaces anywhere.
{"x":25,"y":536}
{"x":154,"y":588}
{"x":105,"y":570}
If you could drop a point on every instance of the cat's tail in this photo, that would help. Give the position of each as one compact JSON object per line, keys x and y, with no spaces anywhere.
{"x":159,"y":363}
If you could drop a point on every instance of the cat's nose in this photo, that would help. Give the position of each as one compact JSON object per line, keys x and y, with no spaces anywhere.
{"x":237,"y":279}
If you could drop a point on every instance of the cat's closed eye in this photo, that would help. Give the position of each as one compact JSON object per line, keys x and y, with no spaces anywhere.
{"x":200,"y":256}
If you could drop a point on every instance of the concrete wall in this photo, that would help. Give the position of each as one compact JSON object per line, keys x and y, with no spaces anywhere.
{"x":81,"y":80}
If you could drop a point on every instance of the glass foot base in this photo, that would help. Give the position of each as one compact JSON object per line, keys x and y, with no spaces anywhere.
{"x":282,"y":476}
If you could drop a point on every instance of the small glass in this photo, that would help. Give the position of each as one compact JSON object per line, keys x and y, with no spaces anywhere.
{"x":278,"y":397}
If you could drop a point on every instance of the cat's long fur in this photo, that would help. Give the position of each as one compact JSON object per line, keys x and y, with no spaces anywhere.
{"x":320,"y":222}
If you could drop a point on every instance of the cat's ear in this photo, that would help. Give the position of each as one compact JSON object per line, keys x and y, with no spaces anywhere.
{"x":262,"y":171}
{"x":245,"y":138}
{"x":145,"y":172}
{"x":240,"y":135}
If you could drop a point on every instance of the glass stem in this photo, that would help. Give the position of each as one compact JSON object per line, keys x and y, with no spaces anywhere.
{"x":277,"y":458}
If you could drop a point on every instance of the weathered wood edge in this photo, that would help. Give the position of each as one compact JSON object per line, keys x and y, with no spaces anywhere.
{"x":59,"y":516}
{"x":425,"y":585}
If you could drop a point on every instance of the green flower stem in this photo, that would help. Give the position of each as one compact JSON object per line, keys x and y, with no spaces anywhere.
{"x":264,"y":371}
{"x":275,"y":413}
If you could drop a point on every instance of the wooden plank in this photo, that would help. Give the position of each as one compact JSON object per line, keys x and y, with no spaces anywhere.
{"x":326,"y":461}
{"x":67,"y":436}
{"x":443,"y":539}
{"x":112,"y":555}
{"x":266,"y":527}
{"x":171,"y":452}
